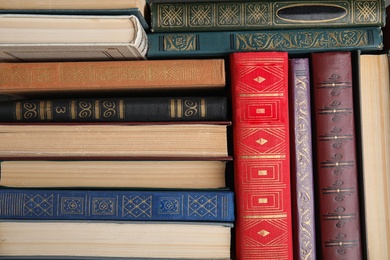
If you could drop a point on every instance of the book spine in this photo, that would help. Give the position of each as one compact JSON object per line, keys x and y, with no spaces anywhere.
{"x":262,"y":156}
{"x":117,"y":205}
{"x":195,"y":44}
{"x":116,"y":109}
{"x":302,"y":160}
{"x":43,"y":77}
{"x":336,"y":156}
{"x":259,"y":15}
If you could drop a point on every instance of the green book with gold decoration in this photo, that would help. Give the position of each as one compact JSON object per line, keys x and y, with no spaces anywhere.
{"x":217,"y":44}
{"x":264,"y":15}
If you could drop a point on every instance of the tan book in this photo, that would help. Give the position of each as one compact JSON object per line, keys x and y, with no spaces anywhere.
{"x":72,"y":5}
{"x":113,"y":141}
{"x":167,"y":240}
{"x":375,"y":141}
{"x":36,"y":78}
{"x":113,"y":174}
{"x":30,"y":38}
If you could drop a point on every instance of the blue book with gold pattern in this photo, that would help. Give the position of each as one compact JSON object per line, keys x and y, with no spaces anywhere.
{"x":117,"y":205}
{"x":214,"y":44}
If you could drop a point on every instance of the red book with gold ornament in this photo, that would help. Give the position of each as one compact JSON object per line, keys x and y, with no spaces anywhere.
{"x":261,"y":155}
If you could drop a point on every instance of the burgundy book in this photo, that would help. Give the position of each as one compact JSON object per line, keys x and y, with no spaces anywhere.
{"x":261,"y":155}
{"x":302,"y":186}
{"x":336,"y":156}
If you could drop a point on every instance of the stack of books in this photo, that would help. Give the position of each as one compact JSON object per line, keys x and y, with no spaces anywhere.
{"x":104,"y":155}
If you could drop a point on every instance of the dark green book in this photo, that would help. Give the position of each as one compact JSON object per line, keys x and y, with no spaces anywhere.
{"x":142,"y":109}
{"x":162,"y":45}
{"x":266,"y":14}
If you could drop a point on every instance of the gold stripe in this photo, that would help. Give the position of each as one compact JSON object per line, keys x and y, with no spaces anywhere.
{"x":173,"y":110}
{"x":263,"y":95}
{"x":49,"y":112}
{"x":121,"y":109}
{"x":266,"y":216}
{"x":203,"y":107}
{"x":179,"y":108}
{"x":264,"y":157}
{"x":73,"y":109}
{"x":42,"y":110}
{"x":97,"y":109}
{"x":18,"y":110}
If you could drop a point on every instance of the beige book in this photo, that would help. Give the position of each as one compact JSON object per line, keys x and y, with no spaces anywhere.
{"x":107,"y":239}
{"x":71,"y":4}
{"x":375,"y":139}
{"x":113,"y":174}
{"x":113,"y":141}
{"x":71,"y":37}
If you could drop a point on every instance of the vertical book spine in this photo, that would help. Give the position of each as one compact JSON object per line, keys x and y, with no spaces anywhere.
{"x":262,"y":155}
{"x":336,"y":156}
{"x":302,"y":160}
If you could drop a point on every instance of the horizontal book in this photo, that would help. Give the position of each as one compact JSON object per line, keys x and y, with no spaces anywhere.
{"x":137,"y":8}
{"x":152,"y":205}
{"x":142,"y":109}
{"x":196,"y":44}
{"x":122,"y":141}
{"x":71,"y":38}
{"x":59,"y":240}
{"x":201,"y":174}
{"x":38,"y":78}
{"x":264,"y":15}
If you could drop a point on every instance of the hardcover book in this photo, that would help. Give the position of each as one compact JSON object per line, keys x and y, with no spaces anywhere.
{"x":261,"y":155}
{"x":336,"y":164}
{"x":137,"y":8}
{"x":260,"y":15}
{"x":208,"y":44}
{"x":37,"y":78}
{"x":115,"y":141}
{"x":113,"y":240}
{"x":374,"y":97}
{"x":142,"y":109}
{"x":71,"y":38}
{"x":164,"y":205}
{"x":302,"y":184}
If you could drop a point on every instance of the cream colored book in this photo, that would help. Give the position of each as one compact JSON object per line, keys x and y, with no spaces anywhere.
{"x":113,"y":174}
{"x":63,"y":240}
{"x":72,"y":5}
{"x":101,"y":141}
{"x":375,"y":141}
{"x":71,"y":37}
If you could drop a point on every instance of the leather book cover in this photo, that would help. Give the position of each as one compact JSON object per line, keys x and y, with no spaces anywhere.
{"x":302,"y":183}
{"x":142,"y":109}
{"x":26,"y":78}
{"x":117,"y":205}
{"x":258,"y":15}
{"x":337,"y":169}
{"x":261,"y":155}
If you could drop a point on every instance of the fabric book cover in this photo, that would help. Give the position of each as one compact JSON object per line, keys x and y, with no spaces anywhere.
{"x":261,"y":155}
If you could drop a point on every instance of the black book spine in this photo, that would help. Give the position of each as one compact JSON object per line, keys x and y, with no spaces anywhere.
{"x":116,"y":109}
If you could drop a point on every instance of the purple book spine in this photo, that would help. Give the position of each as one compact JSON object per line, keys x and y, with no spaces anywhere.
{"x":302,"y":188}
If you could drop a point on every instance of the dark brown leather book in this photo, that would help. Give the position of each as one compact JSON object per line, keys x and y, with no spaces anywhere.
{"x":337,"y":171}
